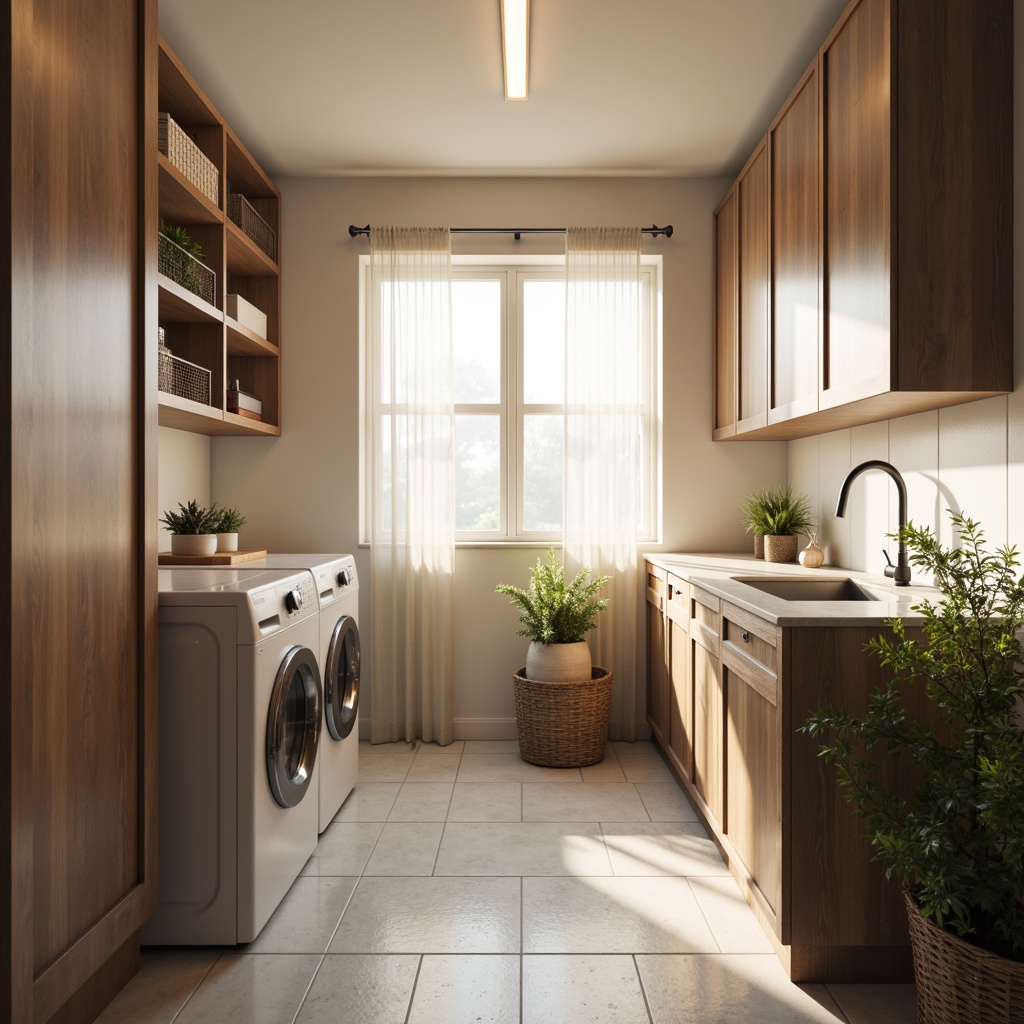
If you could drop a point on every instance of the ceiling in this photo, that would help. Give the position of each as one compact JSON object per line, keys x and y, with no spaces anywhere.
{"x":415,"y":87}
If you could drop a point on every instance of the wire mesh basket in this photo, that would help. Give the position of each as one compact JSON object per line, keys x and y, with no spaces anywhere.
{"x":252,"y":224}
{"x":184,"y":269}
{"x":184,"y":379}
{"x":182,"y":152}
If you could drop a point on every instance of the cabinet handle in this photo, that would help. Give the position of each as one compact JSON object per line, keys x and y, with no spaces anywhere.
{"x":745,"y":637}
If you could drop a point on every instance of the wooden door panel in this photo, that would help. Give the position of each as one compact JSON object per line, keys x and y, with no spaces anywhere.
{"x":753,"y":333}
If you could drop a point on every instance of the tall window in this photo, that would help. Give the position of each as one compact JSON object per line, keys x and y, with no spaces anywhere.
{"x":508,"y":327}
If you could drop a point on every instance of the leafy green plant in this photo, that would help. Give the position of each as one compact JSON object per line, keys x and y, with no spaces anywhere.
{"x":959,"y":843}
{"x":230,"y":521}
{"x":192,"y":518}
{"x":777,"y":512}
{"x":188,"y":275}
{"x":553,"y":611}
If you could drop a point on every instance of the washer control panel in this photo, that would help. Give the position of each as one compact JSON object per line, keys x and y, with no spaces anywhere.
{"x":336,"y":580}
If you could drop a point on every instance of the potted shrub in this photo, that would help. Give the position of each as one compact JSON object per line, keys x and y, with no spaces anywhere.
{"x":193,"y":528}
{"x":563,"y":702}
{"x":778,"y":516}
{"x":958,"y":845}
{"x":230,"y":522}
{"x":557,"y":616}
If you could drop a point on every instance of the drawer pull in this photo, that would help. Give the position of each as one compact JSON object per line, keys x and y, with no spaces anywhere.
{"x":745,"y":637}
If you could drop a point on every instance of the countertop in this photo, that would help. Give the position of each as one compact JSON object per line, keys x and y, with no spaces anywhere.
{"x":722,"y":574}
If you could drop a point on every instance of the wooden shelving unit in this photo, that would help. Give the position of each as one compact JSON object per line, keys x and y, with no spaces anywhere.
{"x":195,"y":329}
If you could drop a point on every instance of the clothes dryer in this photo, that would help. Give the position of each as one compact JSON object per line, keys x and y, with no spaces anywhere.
{"x":337,"y":589}
{"x":241,"y":707}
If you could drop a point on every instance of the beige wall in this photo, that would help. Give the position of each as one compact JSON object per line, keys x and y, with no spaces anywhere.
{"x":300,"y":491}
{"x":184,"y":472}
{"x":969,"y":458}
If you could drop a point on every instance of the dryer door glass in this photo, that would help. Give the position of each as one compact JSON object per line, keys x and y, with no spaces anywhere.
{"x":293,"y":726}
{"x":341,"y":687}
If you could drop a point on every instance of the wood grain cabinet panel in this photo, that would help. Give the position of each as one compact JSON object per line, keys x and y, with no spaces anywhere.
{"x":727,"y":313}
{"x":78,"y":390}
{"x":795,"y":273}
{"x":753,"y":335}
{"x":909,"y":104}
{"x":708,"y":702}
{"x":657,"y":653}
{"x":680,"y":726}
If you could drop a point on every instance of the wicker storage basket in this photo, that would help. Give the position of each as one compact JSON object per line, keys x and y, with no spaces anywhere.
{"x":958,"y":983}
{"x":186,"y":380}
{"x":184,"y":269}
{"x":187,"y":157}
{"x":252,"y":224}
{"x":563,"y":725}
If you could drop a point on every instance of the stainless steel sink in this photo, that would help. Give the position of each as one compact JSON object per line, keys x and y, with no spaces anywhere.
{"x":812,"y":590}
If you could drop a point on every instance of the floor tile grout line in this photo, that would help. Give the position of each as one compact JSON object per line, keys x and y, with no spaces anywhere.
{"x":700,"y":908}
{"x":305,"y":995}
{"x":415,"y":982}
{"x":198,"y":985}
{"x":643,"y":988}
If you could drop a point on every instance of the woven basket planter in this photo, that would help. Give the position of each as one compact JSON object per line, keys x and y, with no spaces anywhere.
{"x":958,"y":983}
{"x":563,"y":725}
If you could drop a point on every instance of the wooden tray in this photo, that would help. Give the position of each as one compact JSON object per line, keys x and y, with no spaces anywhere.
{"x":221,"y":558}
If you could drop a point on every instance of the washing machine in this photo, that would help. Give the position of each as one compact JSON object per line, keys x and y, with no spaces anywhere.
{"x":337,"y":588}
{"x":241,"y":707}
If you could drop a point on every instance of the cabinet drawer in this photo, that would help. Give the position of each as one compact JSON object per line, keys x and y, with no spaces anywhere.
{"x":750,"y":648}
{"x":657,"y":587}
{"x":705,"y":616}
{"x":678,"y":604}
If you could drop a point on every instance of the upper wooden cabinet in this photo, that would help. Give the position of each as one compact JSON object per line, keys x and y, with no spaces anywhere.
{"x":203,"y":329}
{"x":889,"y":228}
{"x":741,"y":322}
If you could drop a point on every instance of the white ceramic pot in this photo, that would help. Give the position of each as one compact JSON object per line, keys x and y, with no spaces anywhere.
{"x":227,"y":541}
{"x":193,"y":544}
{"x":558,"y":663}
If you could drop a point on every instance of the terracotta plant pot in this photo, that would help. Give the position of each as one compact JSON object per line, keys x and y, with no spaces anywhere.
{"x":193,"y":544}
{"x":780,"y":549}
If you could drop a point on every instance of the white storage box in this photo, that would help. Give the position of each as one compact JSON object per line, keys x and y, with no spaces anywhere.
{"x":247,"y":315}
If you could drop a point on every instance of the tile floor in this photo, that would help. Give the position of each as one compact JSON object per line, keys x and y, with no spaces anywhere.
{"x":460,"y":885}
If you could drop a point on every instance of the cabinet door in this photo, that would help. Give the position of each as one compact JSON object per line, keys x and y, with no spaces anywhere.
{"x":753,"y":319}
{"x":857,"y":203}
{"x":680,"y":730}
{"x":753,"y":762}
{"x":657,"y":654}
{"x":727,"y":312}
{"x":708,"y":710}
{"x":795,"y":249}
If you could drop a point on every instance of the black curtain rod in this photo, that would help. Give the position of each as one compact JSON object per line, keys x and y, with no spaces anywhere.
{"x":654,"y":231}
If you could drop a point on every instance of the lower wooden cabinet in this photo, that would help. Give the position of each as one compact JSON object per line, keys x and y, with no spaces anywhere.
{"x":727,"y":694}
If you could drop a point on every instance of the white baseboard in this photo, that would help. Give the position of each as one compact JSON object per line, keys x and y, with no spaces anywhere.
{"x":466,"y":728}
{"x":485,"y":729}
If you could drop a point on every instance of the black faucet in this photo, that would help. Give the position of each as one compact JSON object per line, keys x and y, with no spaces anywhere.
{"x":900,"y":572}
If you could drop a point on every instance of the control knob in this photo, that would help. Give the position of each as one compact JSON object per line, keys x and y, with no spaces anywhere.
{"x":293,"y":600}
{"x":343,"y":578}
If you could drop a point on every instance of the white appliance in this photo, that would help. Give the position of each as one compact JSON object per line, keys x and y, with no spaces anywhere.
{"x":240,"y":721}
{"x":337,"y":587}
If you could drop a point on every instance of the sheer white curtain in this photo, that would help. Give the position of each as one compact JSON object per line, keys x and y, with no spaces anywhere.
{"x":603,"y":382}
{"x":410,"y":459}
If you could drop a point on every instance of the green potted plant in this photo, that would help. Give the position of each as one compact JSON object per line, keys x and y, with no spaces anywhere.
{"x":557,"y":615}
{"x":193,"y":528}
{"x":958,"y":845}
{"x":777,"y":515}
{"x":228,"y":525}
{"x":563,"y":702}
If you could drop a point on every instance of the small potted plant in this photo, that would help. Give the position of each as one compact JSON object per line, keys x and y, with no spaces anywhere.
{"x":958,"y":845}
{"x":193,"y":528}
{"x":230,"y":522}
{"x":777,"y":516}
{"x":563,"y":702}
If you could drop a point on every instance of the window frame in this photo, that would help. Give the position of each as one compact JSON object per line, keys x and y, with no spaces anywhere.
{"x":513,"y":272}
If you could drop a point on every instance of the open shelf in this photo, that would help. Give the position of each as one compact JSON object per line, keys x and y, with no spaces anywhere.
{"x":180,"y":201}
{"x":243,"y":342}
{"x":245,"y":256}
{"x":195,"y":330}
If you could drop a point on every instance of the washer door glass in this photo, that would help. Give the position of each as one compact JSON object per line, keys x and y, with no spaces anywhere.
{"x":341,"y":687}
{"x":293,"y":726}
